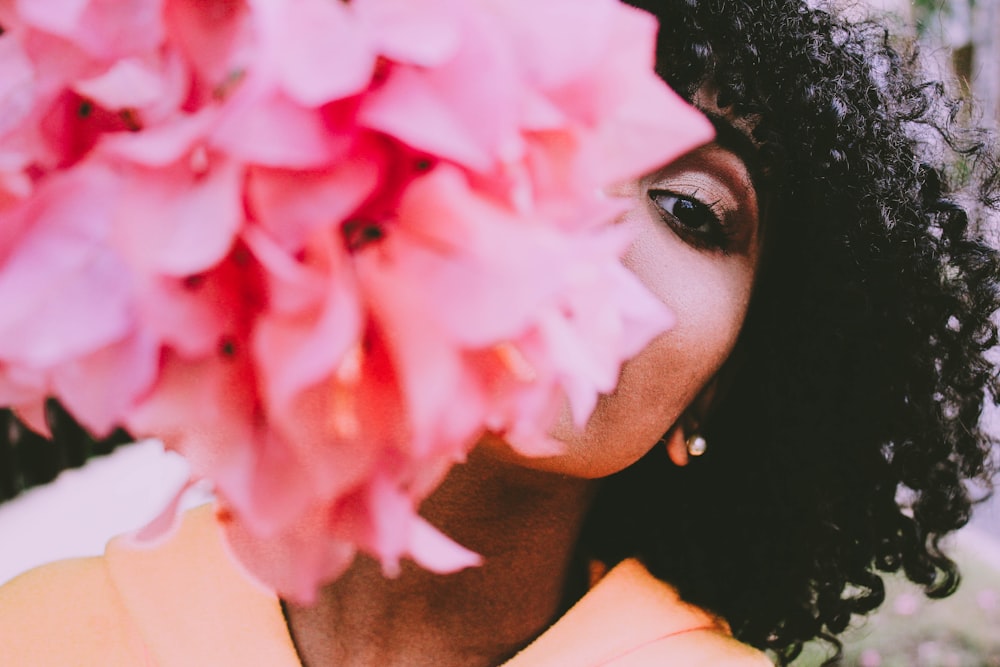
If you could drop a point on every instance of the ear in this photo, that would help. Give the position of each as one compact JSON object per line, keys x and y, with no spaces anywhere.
{"x":676,"y":437}
{"x":676,"y":445}
{"x":701,"y":407}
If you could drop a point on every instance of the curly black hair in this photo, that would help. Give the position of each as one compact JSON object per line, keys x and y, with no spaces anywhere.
{"x":849,"y":441}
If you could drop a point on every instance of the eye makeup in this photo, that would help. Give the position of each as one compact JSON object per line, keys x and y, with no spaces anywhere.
{"x":707,"y":199}
{"x":696,"y":221}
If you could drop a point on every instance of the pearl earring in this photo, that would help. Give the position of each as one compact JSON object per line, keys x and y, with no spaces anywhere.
{"x":696,"y":445}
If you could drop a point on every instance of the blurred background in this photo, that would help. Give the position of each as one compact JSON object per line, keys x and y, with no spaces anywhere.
{"x":66,"y":496}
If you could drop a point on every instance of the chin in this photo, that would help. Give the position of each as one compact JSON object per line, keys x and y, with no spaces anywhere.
{"x":583,"y":456}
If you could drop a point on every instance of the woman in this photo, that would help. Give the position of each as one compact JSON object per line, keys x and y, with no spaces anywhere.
{"x":810,"y":421}
{"x":859,"y":377}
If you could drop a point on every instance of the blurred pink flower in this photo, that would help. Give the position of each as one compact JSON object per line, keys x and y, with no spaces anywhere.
{"x":906,"y":604}
{"x":870,"y":658}
{"x":323,"y":284}
{"x":988,"y":600}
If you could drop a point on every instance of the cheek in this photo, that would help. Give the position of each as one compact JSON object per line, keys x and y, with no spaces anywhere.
{"x":708,"y":293}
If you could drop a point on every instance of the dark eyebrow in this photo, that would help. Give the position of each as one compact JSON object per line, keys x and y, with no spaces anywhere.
{"x":739,"y":144}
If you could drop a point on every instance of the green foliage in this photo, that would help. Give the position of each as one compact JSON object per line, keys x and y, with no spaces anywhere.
{"x":928,"y":13}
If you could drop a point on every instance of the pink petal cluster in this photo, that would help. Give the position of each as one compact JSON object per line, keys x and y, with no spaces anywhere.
{"x":320,"y":247}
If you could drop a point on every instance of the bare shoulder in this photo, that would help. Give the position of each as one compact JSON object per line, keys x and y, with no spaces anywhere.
{"x":64,"y":613}
{"x":697,"y":648}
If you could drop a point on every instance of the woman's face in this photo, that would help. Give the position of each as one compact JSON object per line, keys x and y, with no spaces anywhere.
{"x":697,"y":248}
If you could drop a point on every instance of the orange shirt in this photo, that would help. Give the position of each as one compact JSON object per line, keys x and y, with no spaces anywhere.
{"x":186,"y":603}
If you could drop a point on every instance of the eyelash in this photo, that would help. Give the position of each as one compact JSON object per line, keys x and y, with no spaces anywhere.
{"x":716,"y":236}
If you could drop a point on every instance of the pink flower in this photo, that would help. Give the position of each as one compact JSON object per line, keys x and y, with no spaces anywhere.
{"x":106,"y":29}
{"x":59,"y":261}
{"x":17,"y":99}
{"x":182,"y":219}
{"x":216,"y":39}
{"x":320,"y":283}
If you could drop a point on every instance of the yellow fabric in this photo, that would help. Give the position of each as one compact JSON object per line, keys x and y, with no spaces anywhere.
{"x":631,"y":619}
{"x":185,"y":603}
{"x":180,"y":604}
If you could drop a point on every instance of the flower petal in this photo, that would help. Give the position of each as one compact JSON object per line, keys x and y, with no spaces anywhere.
{"x":80,"y":302}
{"x":292,"y":204}
{"x":294,"y":561}
{"x":180,"y":222}
{"x":419,"y":32}
{"x":128,"y":83}
{"x":102,"y":387}
{"x":216,"y":37}
{"x":273,"y":130}
{"x":308,"y":36}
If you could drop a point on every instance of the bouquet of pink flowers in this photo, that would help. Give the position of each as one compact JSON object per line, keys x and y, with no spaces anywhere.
{"x":320,"y":247}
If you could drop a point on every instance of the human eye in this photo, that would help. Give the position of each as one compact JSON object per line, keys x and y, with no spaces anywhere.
{"x":696,"y":221}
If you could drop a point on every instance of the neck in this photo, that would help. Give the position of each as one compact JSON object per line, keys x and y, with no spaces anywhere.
{"x":524,"y":524}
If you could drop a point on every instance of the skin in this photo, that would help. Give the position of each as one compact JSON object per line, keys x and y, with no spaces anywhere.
{"x":504,"y":506}
{"x":707,"y":288}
